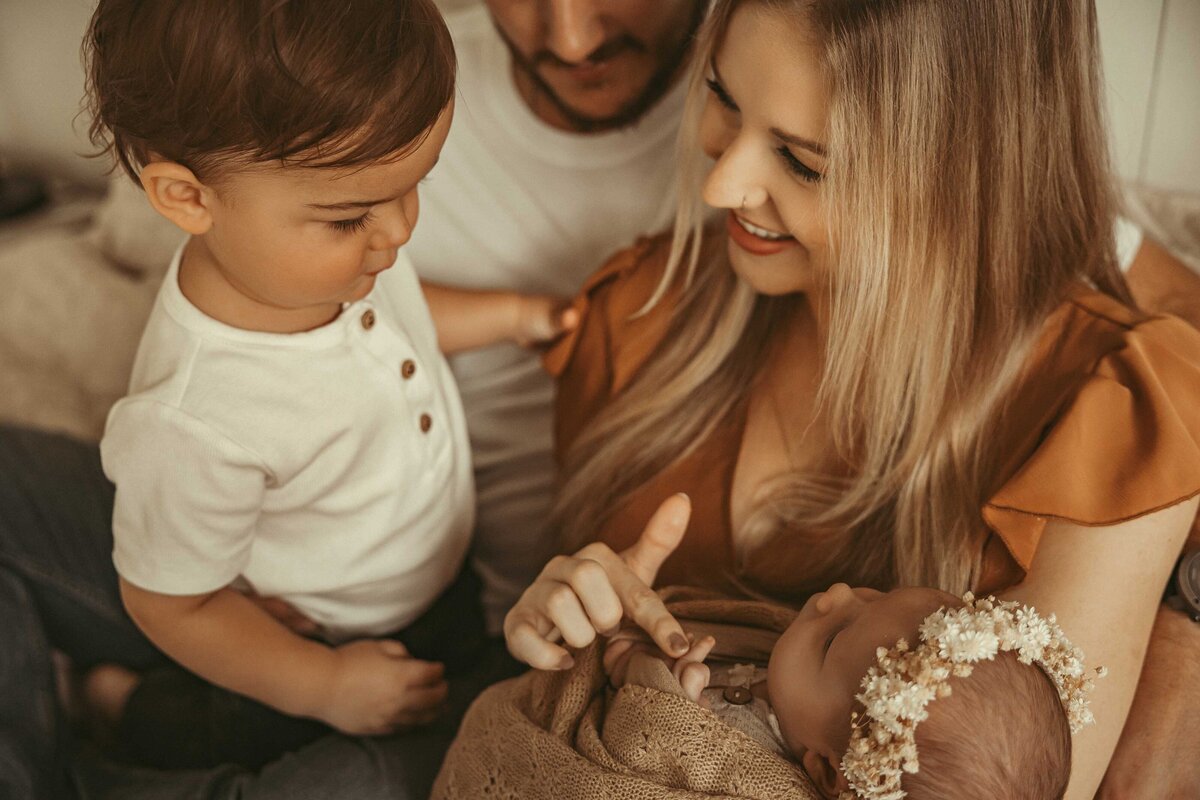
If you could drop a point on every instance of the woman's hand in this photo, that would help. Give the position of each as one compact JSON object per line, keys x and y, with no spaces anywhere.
{"x":579,"y":596}
{"x":1156,"y":756}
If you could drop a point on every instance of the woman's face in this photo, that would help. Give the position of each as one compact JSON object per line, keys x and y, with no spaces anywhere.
{"x":764,"y":125}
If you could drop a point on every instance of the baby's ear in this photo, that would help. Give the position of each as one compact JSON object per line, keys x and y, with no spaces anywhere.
{"x":825,"y":774}
{"x":175,"y":192}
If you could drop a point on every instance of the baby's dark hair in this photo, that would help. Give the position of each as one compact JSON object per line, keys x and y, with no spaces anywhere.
{"x":1002,"y":735}
{"x":215,"y":84}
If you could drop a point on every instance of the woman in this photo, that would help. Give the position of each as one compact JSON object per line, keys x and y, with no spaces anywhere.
{"x":907,"y":357}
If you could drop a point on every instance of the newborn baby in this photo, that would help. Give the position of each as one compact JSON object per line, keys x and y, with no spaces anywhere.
{"x":995,"y":689}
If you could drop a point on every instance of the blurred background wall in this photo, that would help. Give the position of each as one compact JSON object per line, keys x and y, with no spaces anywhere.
{"x":1151,"y":51}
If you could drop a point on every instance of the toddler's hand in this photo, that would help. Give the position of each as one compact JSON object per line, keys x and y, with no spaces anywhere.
{"x":542,"y":318}
{"x":378,"y":687}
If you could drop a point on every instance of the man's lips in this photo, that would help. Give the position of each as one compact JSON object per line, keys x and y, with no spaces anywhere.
{"x":764,"y":243}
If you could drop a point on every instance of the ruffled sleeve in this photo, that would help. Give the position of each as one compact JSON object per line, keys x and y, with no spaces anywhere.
{"x":1123,"y":437}
{"x":612,"y":341}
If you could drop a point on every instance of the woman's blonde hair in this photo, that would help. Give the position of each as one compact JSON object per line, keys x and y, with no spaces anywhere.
{"x":967,"y":186}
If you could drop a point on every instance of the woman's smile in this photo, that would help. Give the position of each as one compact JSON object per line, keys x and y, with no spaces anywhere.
{"x":757,"y":240}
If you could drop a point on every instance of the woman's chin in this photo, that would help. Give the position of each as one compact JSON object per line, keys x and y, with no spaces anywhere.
{"x":772,"y":275}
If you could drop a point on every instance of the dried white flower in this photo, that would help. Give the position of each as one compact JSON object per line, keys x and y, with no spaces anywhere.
{"x":897,"y":691}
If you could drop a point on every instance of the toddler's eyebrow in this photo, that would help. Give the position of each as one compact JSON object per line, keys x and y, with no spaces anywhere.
{"x":348,"y":205}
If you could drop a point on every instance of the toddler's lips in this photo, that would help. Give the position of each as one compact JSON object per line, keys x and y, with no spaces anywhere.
{"x":756,"y":240}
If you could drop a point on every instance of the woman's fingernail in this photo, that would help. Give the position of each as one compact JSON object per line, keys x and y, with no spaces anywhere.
{"x":566,"y":662}
{"x":678,"y":643}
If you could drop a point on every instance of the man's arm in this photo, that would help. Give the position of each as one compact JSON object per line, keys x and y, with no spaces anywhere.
{"x":1161,"y":283}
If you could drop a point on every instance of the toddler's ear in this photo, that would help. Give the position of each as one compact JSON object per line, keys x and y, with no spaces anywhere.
{"x":175,"y":192}
{"x":825,"y":774}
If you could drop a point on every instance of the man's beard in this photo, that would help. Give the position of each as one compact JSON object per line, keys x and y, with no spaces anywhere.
{"x":659,"y":84}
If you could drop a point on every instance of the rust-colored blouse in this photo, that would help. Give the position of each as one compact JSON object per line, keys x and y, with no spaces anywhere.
{"x":1105,"y":428}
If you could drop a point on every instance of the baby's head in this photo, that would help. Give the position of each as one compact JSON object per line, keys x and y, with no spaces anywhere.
{"x":289,"y":135}
{"x":1001,"y":732}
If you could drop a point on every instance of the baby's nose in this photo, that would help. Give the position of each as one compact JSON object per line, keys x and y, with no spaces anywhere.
{"x":834,"y":597}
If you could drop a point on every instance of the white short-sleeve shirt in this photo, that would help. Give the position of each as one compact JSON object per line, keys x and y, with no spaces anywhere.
{"x":515,"y":204}
{"x":329,"y":468}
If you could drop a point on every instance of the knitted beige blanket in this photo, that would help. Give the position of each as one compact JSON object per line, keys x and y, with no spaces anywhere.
{"x":567,"y":736}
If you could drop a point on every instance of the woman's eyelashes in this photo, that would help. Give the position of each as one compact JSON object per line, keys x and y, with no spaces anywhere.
{"x":351,"y":225}
{"x":793,"y":164}
{"x":797,"y":166}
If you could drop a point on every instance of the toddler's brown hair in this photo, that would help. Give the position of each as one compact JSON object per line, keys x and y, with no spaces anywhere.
{"x":218,"y":84}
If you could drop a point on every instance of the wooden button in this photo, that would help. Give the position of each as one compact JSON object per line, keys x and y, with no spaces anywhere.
{"x":426,"y":423}
{"x":408,"y":368}
{"x":737,"y":695}
{"x":368,"y":319}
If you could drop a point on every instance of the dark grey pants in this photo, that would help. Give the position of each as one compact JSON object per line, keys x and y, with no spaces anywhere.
{"x":58,"y":589}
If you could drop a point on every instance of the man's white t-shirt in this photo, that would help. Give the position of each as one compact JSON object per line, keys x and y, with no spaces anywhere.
{"x":329,"y":468}
{"x":516,"y":204}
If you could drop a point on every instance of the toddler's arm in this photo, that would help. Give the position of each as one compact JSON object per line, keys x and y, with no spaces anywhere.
{"x":466,"y":319}
{"x":365,"y":687}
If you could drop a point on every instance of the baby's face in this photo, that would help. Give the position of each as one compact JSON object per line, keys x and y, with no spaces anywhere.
{"x":819,"y":662}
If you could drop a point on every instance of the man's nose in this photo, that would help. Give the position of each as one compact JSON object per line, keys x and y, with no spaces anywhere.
{"x":576,"y":29}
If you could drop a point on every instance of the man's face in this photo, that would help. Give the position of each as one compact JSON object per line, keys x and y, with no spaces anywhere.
{"x":590,"y":65}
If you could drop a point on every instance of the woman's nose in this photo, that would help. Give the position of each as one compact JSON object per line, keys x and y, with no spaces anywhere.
{"x":732,"y":182}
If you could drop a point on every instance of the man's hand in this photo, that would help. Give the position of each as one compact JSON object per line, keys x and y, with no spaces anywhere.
{"x":1156,"y":757}
{"x":378,"y":687}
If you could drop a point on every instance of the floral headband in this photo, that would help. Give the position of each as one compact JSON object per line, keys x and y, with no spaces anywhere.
{"x":895,"y":693}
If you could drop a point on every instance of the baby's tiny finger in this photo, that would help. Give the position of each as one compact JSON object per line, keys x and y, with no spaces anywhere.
{"x":694,"y":679}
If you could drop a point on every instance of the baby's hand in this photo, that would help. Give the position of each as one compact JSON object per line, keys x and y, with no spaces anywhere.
{"x":542,"y":318}
{"x":689,"y":669}
{"x":378,"y":687}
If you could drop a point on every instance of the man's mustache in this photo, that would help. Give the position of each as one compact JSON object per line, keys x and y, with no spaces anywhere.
{"x":610,"y":49}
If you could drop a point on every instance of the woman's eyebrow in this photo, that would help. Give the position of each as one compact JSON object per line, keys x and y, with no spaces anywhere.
{"x":799,"y":141}
{"x":788,"y":138}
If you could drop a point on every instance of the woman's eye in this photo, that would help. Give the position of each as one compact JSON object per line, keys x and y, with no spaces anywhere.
{"x":798,"y":167}
{"x":722,"y":96}
{"x":351,"y":225}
